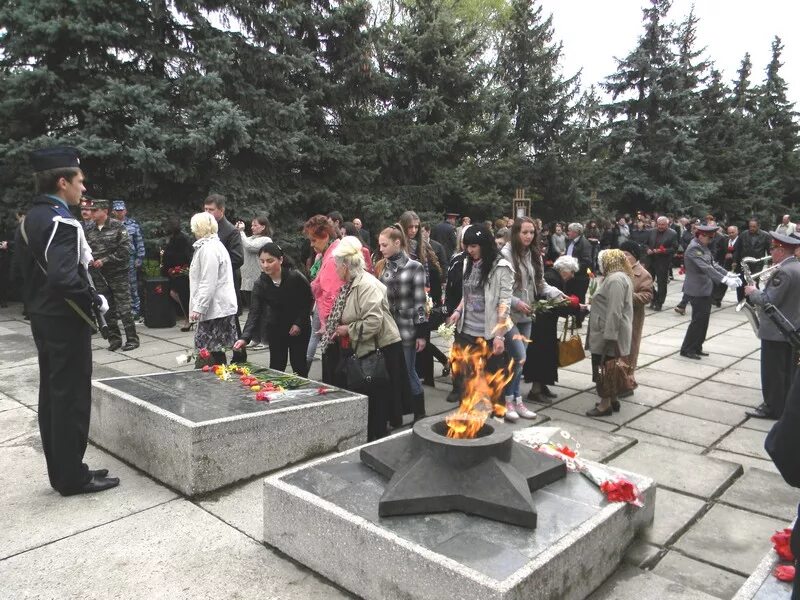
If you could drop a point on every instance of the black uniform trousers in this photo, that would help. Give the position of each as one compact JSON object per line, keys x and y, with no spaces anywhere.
{"x":778,"y":366}
{"x":698,"y":327}
{"x":281,"y":345}
{"x":65,"y":384}
{"x":659,"y":269}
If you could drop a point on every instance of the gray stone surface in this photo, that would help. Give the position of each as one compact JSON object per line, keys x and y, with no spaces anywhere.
{"x":649,"y":396}
{"x":762,"y":584}
{"x":683,"y":472}
{"x":21,"y":383}
{"x":744,"y":396}
{"x":582,"y":402}
{"x":730,"y":538}
{"x":652,"y":377}
{"x":592,"y":443}
{"x":747,"y":492}
{"x":679,"y":367}
{"x":737,"y":378}
{"x":333,"y":501}
{"x":34,"y":514}
{"x":175,"y":551}
{"x":680,"y":427}
{"x":660,"y":440}
{"x":747,"y":462}
{"x":706,"y":408}
{"x":7,"y":403}
{"x":16,"y":422}
{"x":198,"y":434}
{"x":556,"y":414}
{"x":674,"y":513}
{"x":759,"y":424}
{"x":745,"y":441}
{"x":239,"y":505}
{"x":641,"y":554}
{"x":630,"y":583}
{"x":698,"y":575}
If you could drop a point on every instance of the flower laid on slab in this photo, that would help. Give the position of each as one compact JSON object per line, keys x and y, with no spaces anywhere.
{"x":784,"y":573}
{"x":781,"y":544}
{"x":184,"y":358}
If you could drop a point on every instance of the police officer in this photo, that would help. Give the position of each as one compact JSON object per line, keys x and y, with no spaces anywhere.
{"x":59,"y":300}
{"x":778,"y":360}
{"x":701,"y":275}
{"x":120,"y":213}
{"x":111,"y":248}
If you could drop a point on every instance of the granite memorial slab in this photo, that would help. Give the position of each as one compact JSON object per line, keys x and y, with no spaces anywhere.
{"x":329,"y":520}
{"x":196,"y":433}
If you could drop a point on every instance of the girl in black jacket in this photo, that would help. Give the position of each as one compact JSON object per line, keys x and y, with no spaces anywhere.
{"x":281,"y":299}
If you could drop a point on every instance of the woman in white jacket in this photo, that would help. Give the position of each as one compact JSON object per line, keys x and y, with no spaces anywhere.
{"x":212,"y":295}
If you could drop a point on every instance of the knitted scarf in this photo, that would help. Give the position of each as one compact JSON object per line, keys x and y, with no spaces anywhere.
{"x":336,"y":315}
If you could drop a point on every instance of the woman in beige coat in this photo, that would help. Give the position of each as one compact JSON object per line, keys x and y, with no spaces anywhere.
{"x":610,"y":320}
{"x":642,"y":296}
{"x":361,"y":313}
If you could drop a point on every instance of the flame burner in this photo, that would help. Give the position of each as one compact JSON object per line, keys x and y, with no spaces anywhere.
{"x":490,"y":475}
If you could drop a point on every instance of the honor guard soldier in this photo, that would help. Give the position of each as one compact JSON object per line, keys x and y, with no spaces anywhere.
{"x":137,"y":252}
{"x":111,"y":249}
{"x":778,"y":359}
{"x":54,"y":258}
{"x":701,"y":275}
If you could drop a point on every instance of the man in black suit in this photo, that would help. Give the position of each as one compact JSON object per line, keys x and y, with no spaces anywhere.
{"x":232,"y":240}
{"x":445,"y":234}
{"x":728,"y":255}
{"x":662,"y":244}
{"x":580,"y":248}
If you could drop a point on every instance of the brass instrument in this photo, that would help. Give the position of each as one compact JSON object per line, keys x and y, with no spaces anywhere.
{"x":763,"y":276}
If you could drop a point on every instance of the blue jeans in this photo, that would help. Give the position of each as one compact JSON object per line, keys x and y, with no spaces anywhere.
{"x":410,"y":353}
{"x":313,"y":341}
{"x":516,"y":349}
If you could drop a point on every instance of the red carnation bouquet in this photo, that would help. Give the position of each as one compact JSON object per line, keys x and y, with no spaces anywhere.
{"x":177,"y":271}
{"x":781,"y":543}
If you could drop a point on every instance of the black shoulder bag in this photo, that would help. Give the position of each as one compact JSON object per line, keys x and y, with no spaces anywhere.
{"x":366,"y":371}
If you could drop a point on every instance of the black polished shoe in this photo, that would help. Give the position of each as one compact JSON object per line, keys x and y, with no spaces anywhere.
{"x":95,"y":484}
{"x":596,"y":412}
{"x":657,"y":308}
{"x":547,"y":393}
{"x":130,"y":345}
{"x":681,"y":310}
{"x":701,"y":353}
{"x":762,"y":411}
{"x":691,"y":355}
{"x":615,"y":405}
{"x":115,"y":345}
{"x":453,"y":397}
{"x":98,"y":472}
{"x":539,"y":398}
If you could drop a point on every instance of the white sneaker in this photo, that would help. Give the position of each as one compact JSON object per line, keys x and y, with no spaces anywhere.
{"x":522,"y":410}
{"x":511,"y":413}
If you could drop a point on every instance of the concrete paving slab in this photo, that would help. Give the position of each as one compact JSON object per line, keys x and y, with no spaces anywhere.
{"x":719,"y":345}
{"x":561,"y":415}
{"x":649,"y":396}
{"x":715,"y":360}
{"x":175,"y":550}
{"x":747,"y":493}
{"x":679,"y":367}
{"x":698,"y":575}
{"x":641,"y":554}
{"x":630,"y":583}
{"x":747,"y":462}
{"x":743,"y":396}
{"x":7,"y":403}
{"x":646,"y":359}
{"x":35,"y":514}
{"x":674,"y":514}
{"x":592,"y":443}
{"x":167,"y":362}
{"x":584,"y":401}
{"x":660,"y":440}
{"x":649,"y":346}
{"x":705,"y":408}
{"x":135,"y":367}
{"x":750,"y":365}
{"x":654,"y":378}
{"x":745,"y":441}
{"x":677,"y":470}
{"x":759,"y":424}
{"x":680,"y":427}
{"x":154,"y":349}
{"x":731,"y":538}
{"x":16,"y":422}
{"x":238,"y":506}
{"x":21,"y":384}
{"x":102,"y":356}
{"x":573,"y":380}
{"x":739,"y":378}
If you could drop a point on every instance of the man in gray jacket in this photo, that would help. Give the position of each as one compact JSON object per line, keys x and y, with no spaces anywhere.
{"x":778,"y":360}
{"x":701,"y":275}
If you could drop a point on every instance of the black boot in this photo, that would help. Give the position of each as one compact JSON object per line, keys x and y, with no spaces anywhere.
{"x":418,"y":406}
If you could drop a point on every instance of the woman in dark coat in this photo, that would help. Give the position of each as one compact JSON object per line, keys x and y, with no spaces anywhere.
{"x":175,"y":255}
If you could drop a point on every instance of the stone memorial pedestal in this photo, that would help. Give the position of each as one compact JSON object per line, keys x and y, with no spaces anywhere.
{"x":328,"y":520}
{"x":197,"y":434}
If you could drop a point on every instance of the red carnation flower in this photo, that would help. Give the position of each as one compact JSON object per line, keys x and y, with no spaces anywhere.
{"x":204,"y":354}
{"x":784,"y":572}
{"x":566,"y":450}
{"x":781,"y":541}
{"x":621,"y":490}
{"x":574,"y":301}
{"x":262,"y":396}
{"x":206,"y":368}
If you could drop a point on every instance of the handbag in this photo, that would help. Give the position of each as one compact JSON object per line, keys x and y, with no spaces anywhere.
{"x":570,"y":350}
{"x":615,"y":376}
{"x":366,"y":371}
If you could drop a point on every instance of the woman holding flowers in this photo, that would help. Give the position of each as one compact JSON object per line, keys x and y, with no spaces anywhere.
{"x":280,"y":304}
{"x":251,"y":267}
{"x":212,"y":295}
{"x":529,"y":286}
{"x":361,"y":314}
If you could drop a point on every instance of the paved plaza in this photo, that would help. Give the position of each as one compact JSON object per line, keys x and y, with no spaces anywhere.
{"x":719,"y":497}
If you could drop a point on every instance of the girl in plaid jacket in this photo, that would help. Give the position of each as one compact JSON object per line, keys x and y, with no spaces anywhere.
{"x":404,"y":279}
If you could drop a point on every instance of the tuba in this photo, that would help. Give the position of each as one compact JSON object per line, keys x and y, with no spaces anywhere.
{"x":763,"y":276}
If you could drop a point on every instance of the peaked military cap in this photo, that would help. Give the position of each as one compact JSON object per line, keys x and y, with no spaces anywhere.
{"x":779,"y":239}
{"x":58,"y":157}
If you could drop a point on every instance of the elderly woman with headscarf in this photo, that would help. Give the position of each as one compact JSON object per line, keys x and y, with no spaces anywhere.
{"x":610,"y":320}
{"x":361,"y":313}
{"x":642,"y":296}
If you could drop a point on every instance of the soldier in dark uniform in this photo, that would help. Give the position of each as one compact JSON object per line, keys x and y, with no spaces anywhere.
{"x":54,"y":258}
{"x":778,"y":359}
{"x":701,"y":275}
{"x":111,"y":249}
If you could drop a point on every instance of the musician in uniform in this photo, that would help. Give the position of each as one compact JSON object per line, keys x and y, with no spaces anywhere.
{"x":701,"y":275}
{"x":778,"y":358}
{"x":54,"y":257}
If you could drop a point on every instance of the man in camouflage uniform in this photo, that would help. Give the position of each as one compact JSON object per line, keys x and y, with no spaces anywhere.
{"x":111,"y":249}
{"x":137,"y":252}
